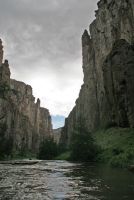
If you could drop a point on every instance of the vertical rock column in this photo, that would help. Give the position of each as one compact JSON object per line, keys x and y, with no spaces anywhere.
{"x":89,"y":94}
{"x":5,"y":74}
{"x":1,"y":52}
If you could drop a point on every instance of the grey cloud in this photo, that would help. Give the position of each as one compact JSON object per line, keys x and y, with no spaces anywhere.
{"x":50,"y":27}
{"x":44,"y":36}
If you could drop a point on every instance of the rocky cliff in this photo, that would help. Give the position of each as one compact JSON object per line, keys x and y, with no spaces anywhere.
{"x":57,"y":135}
{"x":107,"y":95}
{"x":23,"y":123}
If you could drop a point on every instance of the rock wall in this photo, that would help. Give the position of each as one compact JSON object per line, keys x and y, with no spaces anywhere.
{"x":57,"y":135}
{"x":107,"y":59}
{"x":24,"y":121}
{"x":118,"y":74}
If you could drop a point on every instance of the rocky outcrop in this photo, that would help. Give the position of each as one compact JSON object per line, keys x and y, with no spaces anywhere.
{"x":5,"y":74}
{"x":22,"y":121}
{"x":108,"y":90}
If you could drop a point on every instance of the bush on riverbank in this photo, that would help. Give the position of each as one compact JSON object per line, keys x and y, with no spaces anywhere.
{"x":82,"y":145}
{"x":117,"y":146}
{"x":48,"y":150}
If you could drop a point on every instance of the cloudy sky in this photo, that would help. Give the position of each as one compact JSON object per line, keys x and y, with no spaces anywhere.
{"x":42,"y":41}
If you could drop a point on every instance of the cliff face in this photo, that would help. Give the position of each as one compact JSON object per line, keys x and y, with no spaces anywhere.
{"x":22,"y":121}
{"x":108,"y":65}
{"x":118,"y":74}
{"x":57,"y":135}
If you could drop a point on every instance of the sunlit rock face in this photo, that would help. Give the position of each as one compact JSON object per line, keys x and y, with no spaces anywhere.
{"x":98,"y":104}
{"x":21,"y":119}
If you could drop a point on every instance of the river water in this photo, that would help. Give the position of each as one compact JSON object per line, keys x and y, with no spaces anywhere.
{"x":62,"y":180}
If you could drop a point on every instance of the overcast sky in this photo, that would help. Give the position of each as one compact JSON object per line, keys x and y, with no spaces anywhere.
{"x":42,"y":41}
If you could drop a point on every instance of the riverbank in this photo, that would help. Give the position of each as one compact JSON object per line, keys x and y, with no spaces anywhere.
{"x":116,"y":146}
{"x":20,"y":162}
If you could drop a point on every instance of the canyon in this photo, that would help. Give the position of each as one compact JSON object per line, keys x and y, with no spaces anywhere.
{"x":106,"y":97}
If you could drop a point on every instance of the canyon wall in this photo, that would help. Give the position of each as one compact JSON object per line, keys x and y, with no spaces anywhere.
{"x":22,"y":121}
{"x":107,"y":94}
{"x":57,"y":135}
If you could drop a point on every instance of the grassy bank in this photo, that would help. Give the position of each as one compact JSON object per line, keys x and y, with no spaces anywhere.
{"x":116,"y":146}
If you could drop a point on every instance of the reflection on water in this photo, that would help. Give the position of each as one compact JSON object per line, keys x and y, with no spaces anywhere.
{"x":61,"y":180}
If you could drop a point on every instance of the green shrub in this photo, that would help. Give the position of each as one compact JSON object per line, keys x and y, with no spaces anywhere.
{"x":48,"y":150}
{"x":120,"y":160}
{"x":117,"y":146}
{"x":117,"y":151}
{"x":82,"y":146}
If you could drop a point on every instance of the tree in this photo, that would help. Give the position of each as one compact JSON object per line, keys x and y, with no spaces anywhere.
{"x":82,"y":147}
{"x":48,"y":149}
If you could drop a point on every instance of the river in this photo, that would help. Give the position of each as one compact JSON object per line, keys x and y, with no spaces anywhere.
{"x":62,"y":180}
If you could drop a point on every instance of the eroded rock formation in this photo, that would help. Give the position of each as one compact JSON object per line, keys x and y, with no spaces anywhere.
{"x":107,"y":95}
{"x":22,"y":121}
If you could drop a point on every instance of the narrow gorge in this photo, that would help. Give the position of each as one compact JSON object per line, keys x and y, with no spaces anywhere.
{"x":92,"y":156}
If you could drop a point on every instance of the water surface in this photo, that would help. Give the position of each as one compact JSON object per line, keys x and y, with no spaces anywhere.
{"x":62,"y":180}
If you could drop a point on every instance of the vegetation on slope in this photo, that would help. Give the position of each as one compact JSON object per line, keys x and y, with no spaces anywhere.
{"x":113,"y":146}
{"x":117,"y":146}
